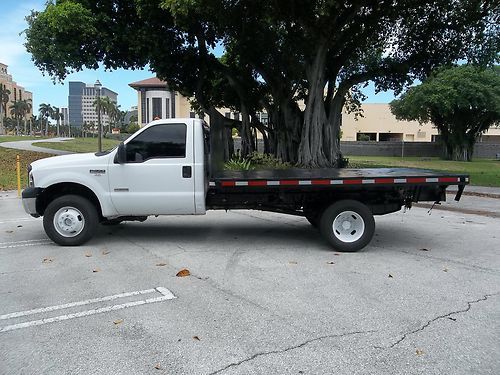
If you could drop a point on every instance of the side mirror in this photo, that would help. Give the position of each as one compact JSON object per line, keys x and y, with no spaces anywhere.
{"x":121,"y":154}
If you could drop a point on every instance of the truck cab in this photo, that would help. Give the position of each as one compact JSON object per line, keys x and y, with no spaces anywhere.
{"x":159,"y":170}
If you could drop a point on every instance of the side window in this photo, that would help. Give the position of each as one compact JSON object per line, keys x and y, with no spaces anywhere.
{"x":159,"y":141}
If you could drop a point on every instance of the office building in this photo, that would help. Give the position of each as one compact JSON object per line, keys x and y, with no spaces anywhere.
{"x":81,"y":103}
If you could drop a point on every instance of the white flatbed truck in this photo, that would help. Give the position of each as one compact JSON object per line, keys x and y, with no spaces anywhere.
{"x":164,"y":169}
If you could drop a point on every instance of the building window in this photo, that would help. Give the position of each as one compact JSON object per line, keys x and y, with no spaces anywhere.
{"x":157,"y":109}
{"x":192,"y":115}
{"x":228,"y":114}
{"x":237,"y":116}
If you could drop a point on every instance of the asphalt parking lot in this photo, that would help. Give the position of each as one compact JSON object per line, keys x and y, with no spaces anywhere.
{"x":265,"y":295}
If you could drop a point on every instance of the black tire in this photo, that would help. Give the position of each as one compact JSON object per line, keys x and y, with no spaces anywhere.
{"x":82,"y":216}
{"x":355,"y":228}
{"x":313,"y":220}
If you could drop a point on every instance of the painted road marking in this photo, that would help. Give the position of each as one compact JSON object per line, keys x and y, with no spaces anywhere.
{"x":16,"y":220}
{"x":165,"y":296}
{"x":9,"y":245}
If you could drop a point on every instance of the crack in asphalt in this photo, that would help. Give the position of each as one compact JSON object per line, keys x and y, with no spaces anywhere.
{"x":448,"y":315}
{"x":307,"y":342}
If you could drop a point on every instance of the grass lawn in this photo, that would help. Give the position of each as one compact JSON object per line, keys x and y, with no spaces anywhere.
{"x":483,"y":172}
{"x":8,"y":179}
{"x":80,"y":144}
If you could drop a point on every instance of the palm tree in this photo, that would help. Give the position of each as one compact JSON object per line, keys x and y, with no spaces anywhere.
{"x":45,"y":111}
{"x":26,"y":109}
{"x":4,"y":99}
{"x":58,"y":116}
{"x":17,"y":110}
{"x":107,"y":107}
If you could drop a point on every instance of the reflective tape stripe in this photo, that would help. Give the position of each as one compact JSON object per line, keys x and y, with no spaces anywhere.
{"x":347,"y":181}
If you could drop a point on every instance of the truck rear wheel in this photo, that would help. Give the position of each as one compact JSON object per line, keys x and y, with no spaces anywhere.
{"x":70,"y":220}
{"x":347,"y":225}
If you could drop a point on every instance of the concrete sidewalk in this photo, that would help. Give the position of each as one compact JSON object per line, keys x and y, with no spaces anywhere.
{"x":28,"y":146}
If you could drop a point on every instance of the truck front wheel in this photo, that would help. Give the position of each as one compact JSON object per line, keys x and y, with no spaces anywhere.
{"x":347,"y":225}
{"x":70,"y":220}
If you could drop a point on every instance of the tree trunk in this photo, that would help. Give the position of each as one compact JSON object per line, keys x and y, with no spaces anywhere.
{"x":247,"y":141}
{"x":311,"y":149}
{"x":2,"y":128}
{"x":57,"y":131}
{"x":47,"y":128}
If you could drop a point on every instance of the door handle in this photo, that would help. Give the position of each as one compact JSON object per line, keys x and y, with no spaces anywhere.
{"x":186,"y":171}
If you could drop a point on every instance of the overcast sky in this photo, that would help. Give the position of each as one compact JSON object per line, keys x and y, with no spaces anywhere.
{"x":24,"y":72}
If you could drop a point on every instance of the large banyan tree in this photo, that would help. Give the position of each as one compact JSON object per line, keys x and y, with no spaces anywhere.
{"x":302,"y":61}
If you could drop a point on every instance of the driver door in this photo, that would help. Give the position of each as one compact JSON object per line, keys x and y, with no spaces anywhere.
{"x":157,"y":178}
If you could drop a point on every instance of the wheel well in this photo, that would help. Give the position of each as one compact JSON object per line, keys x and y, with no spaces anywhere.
{"x":65,"y":188}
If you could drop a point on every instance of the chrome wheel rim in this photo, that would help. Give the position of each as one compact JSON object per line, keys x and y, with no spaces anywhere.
{"x":348,"y":226}
{"x":69,"y":222}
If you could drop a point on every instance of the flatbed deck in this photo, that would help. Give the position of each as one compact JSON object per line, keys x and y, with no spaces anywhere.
{"x":295,"y":177}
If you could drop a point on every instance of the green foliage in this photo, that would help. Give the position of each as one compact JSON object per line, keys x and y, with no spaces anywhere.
{"x":267,"y":161}
{"x":133,"y":127}
{"x":237,"y":163}
{"x":276,"y":53}
{"x":462,"y":102}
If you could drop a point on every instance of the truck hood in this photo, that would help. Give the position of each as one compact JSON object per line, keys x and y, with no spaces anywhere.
{"x":69,"y":161}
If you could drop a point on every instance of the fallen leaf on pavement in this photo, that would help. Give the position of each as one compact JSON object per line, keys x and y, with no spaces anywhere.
{"x":96,"y":270}
{"x":118,"y":321}
{"x":183,"y":273}
{"x":419,"y":352}
{"x":9,"y":231}
{"x":105,"y":252}
{"x":88,"y":255}
{"x":196,"y":338}
{"x":292,"y":262}
{"x":424,"y":249}
{"x":336,"y":254}
{"x":390,"y":276}
{"x":19,"y":226}
{"x":330,"y":262}
{"x":47,"y":260}
{"x":445,"y":270}
{"x":161,"y":264}
{"x":454,"y":319}
{"x":157,"y":366}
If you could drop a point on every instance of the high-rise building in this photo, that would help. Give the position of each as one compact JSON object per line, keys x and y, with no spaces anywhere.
{"x":16,"y":92}
{"x":81,"y":100}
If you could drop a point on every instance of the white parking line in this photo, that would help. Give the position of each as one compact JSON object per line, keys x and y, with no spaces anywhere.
{"x":165,"y":295}
{"x":17,"y":220}
{"x":9,"y":245}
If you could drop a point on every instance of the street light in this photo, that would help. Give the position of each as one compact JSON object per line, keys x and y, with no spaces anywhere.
{"x":97,"y":86}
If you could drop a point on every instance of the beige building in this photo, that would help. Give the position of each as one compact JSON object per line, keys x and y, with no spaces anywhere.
{"x":16,"y":92}
{"x":379,"y":124}
{"x":156,"y":100}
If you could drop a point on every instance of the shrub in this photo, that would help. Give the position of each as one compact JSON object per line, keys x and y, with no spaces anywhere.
{"x":262,"y":161}
{"x":237,"y":163}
